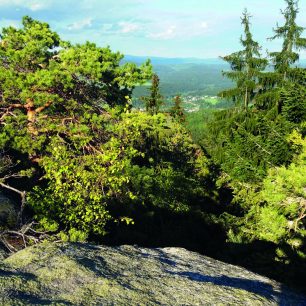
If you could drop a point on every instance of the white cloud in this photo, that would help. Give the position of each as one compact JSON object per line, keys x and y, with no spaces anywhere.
{"x":168,"y":33}
{"x":203,"y":25}
{"x":180,"y":30}
{"x":121,"y":27}
{"x":78,"y":25}
{"x":128,"y":27}
{"x":36,"y":6}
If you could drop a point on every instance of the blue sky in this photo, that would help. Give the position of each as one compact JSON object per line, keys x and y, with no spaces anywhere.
{"x":168,"y":28}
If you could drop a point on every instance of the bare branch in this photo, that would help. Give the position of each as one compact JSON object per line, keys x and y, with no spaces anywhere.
{"x":7,"y":244}
{"x":12,"y":188}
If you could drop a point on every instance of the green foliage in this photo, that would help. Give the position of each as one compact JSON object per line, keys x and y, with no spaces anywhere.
{"x":277,"y":212}
{"x":271,"y":224}
{"x":291,"y":33}
{"x":197,"y":124}
{"x":155,"y":100}
{"x":246,"y":144}
{"x":166,"y":172}
{"x":293,"y":97}
{"x":79,"y":186}
{"x":67,"y":123}
{"x":177,"y":110}
{"x":133,"y":158}
{"x":246,"y":66}
{"x":54,"y":102}
{"x":41,"y":74}
{"x":73,"y":235}
{"x":261,"y":154}
{"x":273,"y":83}
{"x":48,"y":225}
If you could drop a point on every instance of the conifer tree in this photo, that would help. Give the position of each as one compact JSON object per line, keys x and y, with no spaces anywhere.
{"x":53,"y":94}
{"x":246,"y":66}
{"x":41,"y":75}
{"x":155,"y":100}
{"x":177,"y":111}
{"x":293,"y":96}
{"x":272,"y":83}
{"x":291,"y":33}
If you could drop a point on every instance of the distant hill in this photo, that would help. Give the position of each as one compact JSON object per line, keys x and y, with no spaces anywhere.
{"x":185,"y":76}
{"x":172,"y":61}
{"x":178,"y":61}
{"x":191,"y":77}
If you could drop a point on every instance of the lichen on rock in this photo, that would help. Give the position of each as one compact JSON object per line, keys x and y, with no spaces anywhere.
{"x":83,"y":274}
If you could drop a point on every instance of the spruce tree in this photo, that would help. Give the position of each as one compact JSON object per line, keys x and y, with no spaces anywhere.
{"x":177,"y":111}
{"x":291,"y":33}
{"x":272,"y":83}
{"x":293,"y":97}
{"x":155,"y":100}
{"x":246,"y":66}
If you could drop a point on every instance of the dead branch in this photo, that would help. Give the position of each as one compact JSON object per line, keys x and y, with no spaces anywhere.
{"x":27,"y":235}
{"x":11,"y":188}
{"x":302,"y":214}
{"x":10,"y":248}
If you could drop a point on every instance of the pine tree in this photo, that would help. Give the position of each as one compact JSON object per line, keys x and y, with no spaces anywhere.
{"x":155,"y":100}
{"x":177,"y":111}
{"x":41,"y":75}
{"x":246,"y":66}
{"x":53,"y":94}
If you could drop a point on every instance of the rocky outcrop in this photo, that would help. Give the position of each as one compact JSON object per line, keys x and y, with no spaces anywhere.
{"x":83,"y":274}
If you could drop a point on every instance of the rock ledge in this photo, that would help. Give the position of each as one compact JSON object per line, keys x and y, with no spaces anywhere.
{"x":83,"y":274}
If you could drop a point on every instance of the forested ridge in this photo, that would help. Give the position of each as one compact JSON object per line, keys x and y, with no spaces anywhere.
{"x":84,"y":165}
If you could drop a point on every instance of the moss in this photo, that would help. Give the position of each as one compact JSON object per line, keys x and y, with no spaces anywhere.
{"x":96,"y":289}
{"x":62,"y":268}
{"x":30,"y":255}
{"x":12,"y":286}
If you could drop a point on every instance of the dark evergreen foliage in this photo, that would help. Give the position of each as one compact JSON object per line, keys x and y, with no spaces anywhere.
{"x":177,"y":111}
{"x":283,"y":60}
{"x":291,"y":33}
{"x":246,"y":66}
{"x":155,"y":100}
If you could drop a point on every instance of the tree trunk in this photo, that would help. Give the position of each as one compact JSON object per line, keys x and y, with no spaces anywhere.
{"x":31,"y":115}
{"x":246,"y":99}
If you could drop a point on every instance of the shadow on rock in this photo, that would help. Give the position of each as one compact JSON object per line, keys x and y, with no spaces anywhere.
{"x":30,"y":298}
{"x":254,"y":286}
